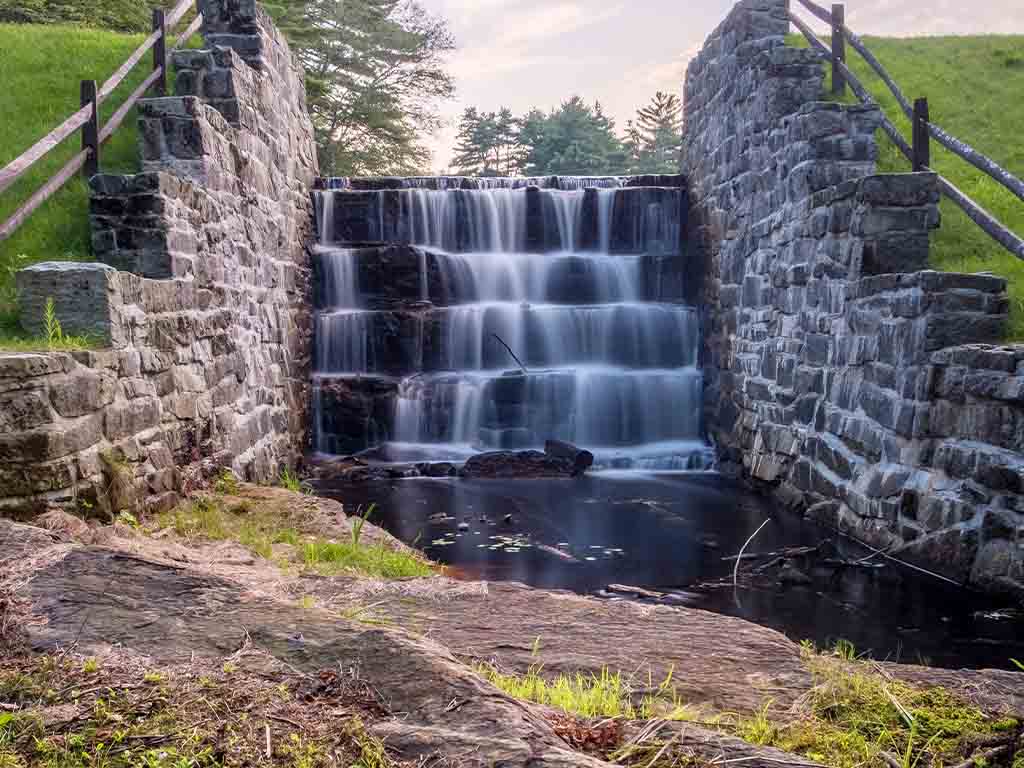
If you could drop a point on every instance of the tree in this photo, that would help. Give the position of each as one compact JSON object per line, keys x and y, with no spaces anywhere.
{"x":487,"y":143}
{"x":374,"y":77}
{"x":575,"y":139}
{"x":469,"y":158}
{"x":655,"y":139}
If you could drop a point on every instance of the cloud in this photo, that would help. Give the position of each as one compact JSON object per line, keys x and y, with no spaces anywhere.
{"x":539,"y":24}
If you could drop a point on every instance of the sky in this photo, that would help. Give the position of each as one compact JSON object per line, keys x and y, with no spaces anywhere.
{"x":526,"y":53}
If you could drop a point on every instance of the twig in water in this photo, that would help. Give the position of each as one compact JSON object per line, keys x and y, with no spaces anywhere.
{"x":506,"y":346}
{"x":739,"y":558}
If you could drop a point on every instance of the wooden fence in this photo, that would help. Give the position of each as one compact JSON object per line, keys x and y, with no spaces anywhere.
{"x":918,"y":151}
{"x":86,"y":121}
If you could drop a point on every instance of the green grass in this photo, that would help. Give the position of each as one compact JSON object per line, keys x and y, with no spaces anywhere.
{"x":973,"y":85}
{"x":42,"y":67}
{"x":260,"y":529}
{"x":850,"y":717}
{"x":606,"y":694}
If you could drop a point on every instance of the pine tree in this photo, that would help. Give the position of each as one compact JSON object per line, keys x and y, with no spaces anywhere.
{"x":655,"y":139}
{"x":469,"y":158}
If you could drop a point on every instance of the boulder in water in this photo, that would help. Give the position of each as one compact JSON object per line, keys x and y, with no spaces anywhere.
{"x":517,"y":465}
{"x":580,"y":460}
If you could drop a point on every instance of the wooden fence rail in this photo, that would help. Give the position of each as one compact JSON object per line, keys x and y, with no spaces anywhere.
{"x":917,"y":153}
{"x":86,"y":119}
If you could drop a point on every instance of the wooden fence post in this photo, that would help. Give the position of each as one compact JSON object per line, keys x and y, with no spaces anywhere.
{"x":922,"y":151}
{"x":160,"y":51}
{"x":838,"y":49}
{"x":91,"y":130}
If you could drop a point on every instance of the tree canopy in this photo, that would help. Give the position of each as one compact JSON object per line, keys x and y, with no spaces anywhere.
{"x":577,"y":139}
{"x":374,"y":77}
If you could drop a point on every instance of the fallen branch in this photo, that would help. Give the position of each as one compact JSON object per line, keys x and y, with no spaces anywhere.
{"x":788,"y":552}
{"x":624,"y":589}
{"x":507,"y":347}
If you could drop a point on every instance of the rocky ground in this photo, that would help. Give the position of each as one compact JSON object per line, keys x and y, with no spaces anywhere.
{"x":215,"y":636}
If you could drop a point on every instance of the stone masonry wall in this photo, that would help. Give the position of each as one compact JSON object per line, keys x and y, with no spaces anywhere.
{"x":831,"y":375}
{"x":202,"y":297}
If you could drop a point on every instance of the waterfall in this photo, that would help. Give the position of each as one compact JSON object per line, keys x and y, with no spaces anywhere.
{"x":565,"y":281}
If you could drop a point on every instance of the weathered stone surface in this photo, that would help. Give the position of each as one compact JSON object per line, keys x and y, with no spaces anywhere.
{"x":820,"y":314}
{"x":209,"y":321}
{"x":82,"y":296}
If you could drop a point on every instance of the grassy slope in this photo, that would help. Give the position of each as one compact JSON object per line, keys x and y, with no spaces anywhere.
{"x":973,"y":86}
{"x":42,"y":66}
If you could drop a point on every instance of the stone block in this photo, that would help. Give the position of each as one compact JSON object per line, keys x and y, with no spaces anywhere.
{"x":82,"y":392}
{"x":899,"y":189}
{"x":130,"y":418}
{"x":85,"y":299}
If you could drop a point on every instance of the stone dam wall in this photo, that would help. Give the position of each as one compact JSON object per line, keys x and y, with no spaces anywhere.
{"x":202,"y":295}
{"x":840,"y":372}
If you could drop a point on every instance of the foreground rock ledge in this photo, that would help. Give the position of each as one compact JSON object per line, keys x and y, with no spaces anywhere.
{"x":101,"y":599}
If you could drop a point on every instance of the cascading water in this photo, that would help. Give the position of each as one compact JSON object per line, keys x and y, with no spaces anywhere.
{"x":422,"y":282}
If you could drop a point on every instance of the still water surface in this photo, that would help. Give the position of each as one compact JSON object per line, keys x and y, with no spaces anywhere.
{"x":672,"y":532}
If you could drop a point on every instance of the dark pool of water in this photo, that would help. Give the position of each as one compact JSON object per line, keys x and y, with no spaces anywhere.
{"x":671,"y":532}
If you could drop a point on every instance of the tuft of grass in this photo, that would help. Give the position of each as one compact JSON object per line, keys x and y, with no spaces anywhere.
{"x":855,"y":714}
{"x":291,"y":482}
{"x":330,"y":558}
{"x":359,"y":522}
{"x":845,"y":650}
{"x":207,"y":517}
{"x":972,"y":84}
{"x":372,"y":753}
{"x":589,"y":695}
{"x":226,"y":484}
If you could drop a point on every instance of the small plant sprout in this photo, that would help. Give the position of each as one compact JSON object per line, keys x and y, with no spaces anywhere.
{"x":359,"y":522}
{"x":54,"y":332}
{"x":291,"y":482}
{"x":845,"y":650}
{"x":90,"y":666}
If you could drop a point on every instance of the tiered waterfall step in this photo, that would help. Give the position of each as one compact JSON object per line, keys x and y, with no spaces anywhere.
{"x":612,"y":220}
{"x":503,"y":314}
{"x":636,"y":335}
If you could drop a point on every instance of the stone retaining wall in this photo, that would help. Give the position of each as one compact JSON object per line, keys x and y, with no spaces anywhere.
{"x":830,"y":373}
{"x":202,"y":300}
